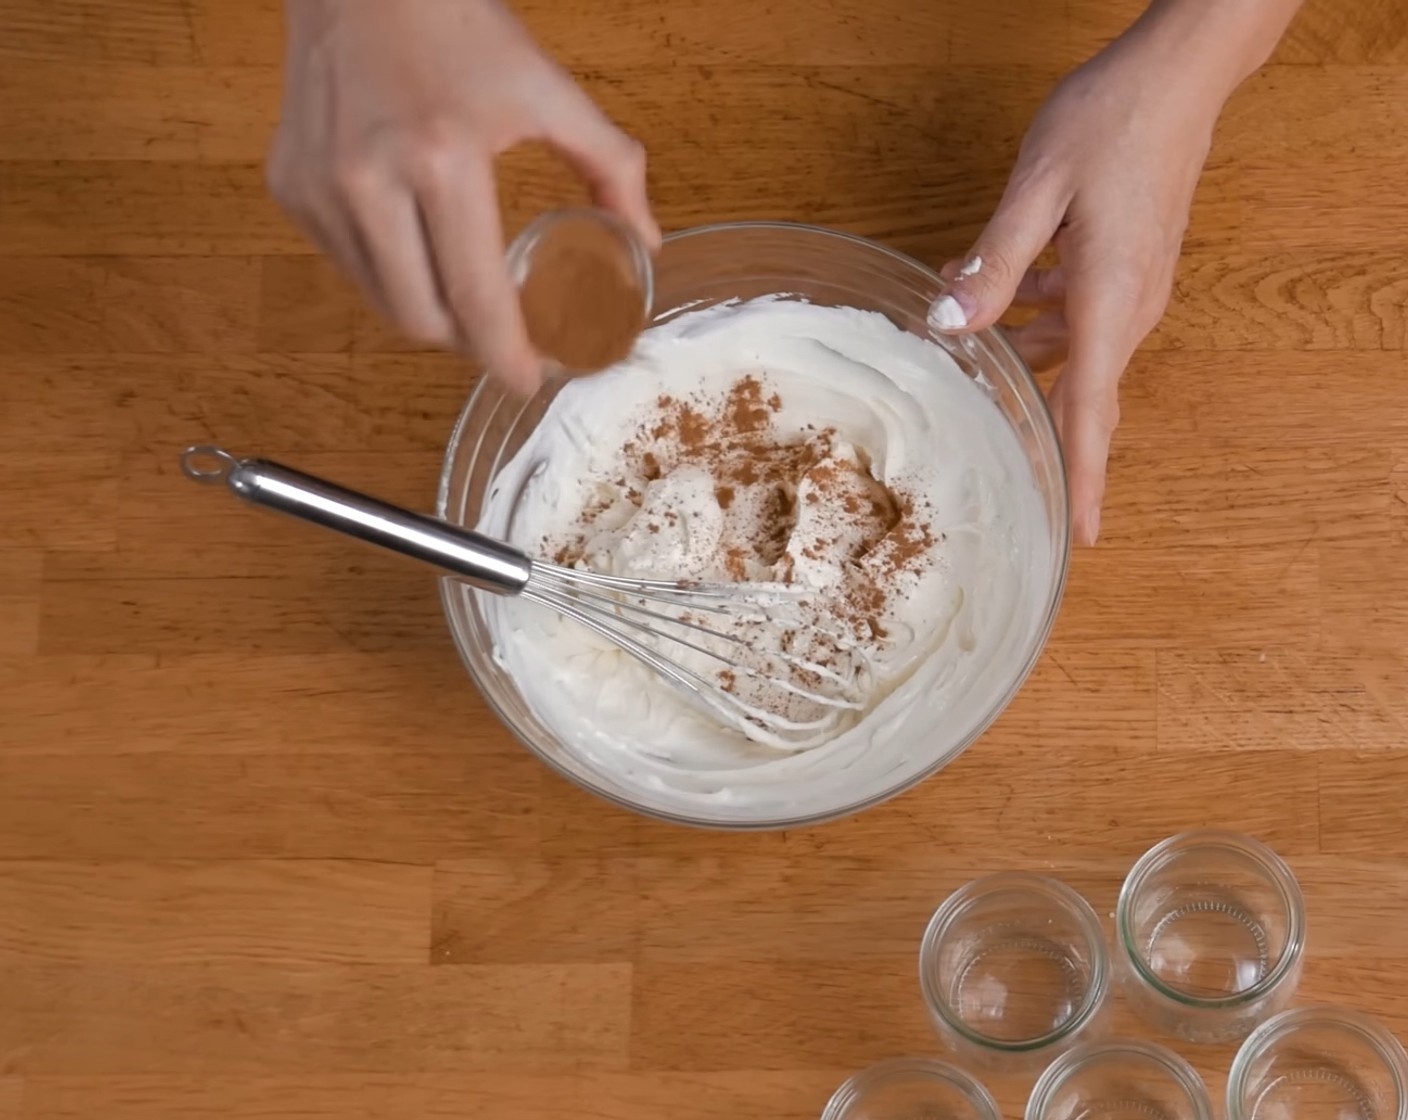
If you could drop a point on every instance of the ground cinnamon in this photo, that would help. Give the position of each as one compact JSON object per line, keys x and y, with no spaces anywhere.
{"x":583,"y":301}
{"x":879,"y":536}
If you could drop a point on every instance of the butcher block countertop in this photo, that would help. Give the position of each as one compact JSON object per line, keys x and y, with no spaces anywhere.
{"x":264,"y":852}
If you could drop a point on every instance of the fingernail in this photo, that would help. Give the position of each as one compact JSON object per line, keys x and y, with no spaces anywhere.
{"x":1091,"y":528}
{"x":947,"y":314}
{"x":971,"y":267}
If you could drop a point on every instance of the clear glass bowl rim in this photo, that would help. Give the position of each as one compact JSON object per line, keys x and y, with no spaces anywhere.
{"x":1079,"y":1056}
{"x":1366,"y":1027}
{"x":952,"y":908}
{"x":1061,"y":537}
{"x":1278,"y":871}
{"x":850,"y":1089}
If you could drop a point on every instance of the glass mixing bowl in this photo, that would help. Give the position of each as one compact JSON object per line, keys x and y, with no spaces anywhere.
{"x":710,"y":265}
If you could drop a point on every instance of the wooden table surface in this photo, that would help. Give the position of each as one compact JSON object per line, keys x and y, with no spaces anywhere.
{"x":263,"y":850}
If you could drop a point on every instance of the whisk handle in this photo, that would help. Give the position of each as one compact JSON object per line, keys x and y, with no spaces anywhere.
{"x":479,"y":560}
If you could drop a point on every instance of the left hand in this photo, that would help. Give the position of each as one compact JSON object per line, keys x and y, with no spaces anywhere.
{"x":1107,"y":171}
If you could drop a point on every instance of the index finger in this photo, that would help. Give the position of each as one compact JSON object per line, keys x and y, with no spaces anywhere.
{"x":1102,"y":341}
{"x":459,"y":206}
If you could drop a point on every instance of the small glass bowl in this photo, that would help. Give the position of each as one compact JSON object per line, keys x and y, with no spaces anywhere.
{"x":1319,"y":1063}
{"x":1014,"y":968}
{"x":1211,"y":931}
{"x":911,"y":1089}
{"x":608,"y":237}
{"x":1119,"y":1081}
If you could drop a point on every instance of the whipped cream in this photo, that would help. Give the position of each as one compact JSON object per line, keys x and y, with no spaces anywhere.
{"x":823,"y":449}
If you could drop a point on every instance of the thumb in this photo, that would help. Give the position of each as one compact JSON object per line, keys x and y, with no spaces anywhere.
{"x":986,"y":280}
{"x":611,"y":163}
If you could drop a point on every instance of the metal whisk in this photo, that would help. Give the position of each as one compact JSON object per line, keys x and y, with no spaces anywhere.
{"x":798,"y":680}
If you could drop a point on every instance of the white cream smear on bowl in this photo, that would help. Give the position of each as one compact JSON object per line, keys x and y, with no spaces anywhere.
{"x":777,"y":441}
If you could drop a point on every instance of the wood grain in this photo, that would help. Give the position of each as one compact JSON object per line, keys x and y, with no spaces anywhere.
{"x":229,"y":912}
{"x":286,"y":1019}
{"x":341,"y":702}
{"x":264,"y":852}
{"x":20,"y":572}
{"x":439,"y":1096}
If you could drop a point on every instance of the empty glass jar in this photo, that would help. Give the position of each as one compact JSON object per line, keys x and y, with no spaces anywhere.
{"x":1119,"y":1081}
{"x":1013,"y":968}
{"x":909,"y":1089}
{"x":1211,"y":933}
{"x":1319,"y":1063}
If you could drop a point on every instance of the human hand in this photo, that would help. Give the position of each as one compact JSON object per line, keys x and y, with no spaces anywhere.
{"x":1107,"y":171}
{"x":393,"y":115}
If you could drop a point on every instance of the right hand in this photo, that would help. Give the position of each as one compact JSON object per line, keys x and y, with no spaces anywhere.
{"x":393,"y":115}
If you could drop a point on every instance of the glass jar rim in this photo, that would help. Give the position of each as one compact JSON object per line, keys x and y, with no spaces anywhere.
{"x":850,"y":1090}
{"x":956,"y":904}
{"x":1277,"y":871}
{"x":1365,"y":1027}
{"x":1080,"y":1057}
